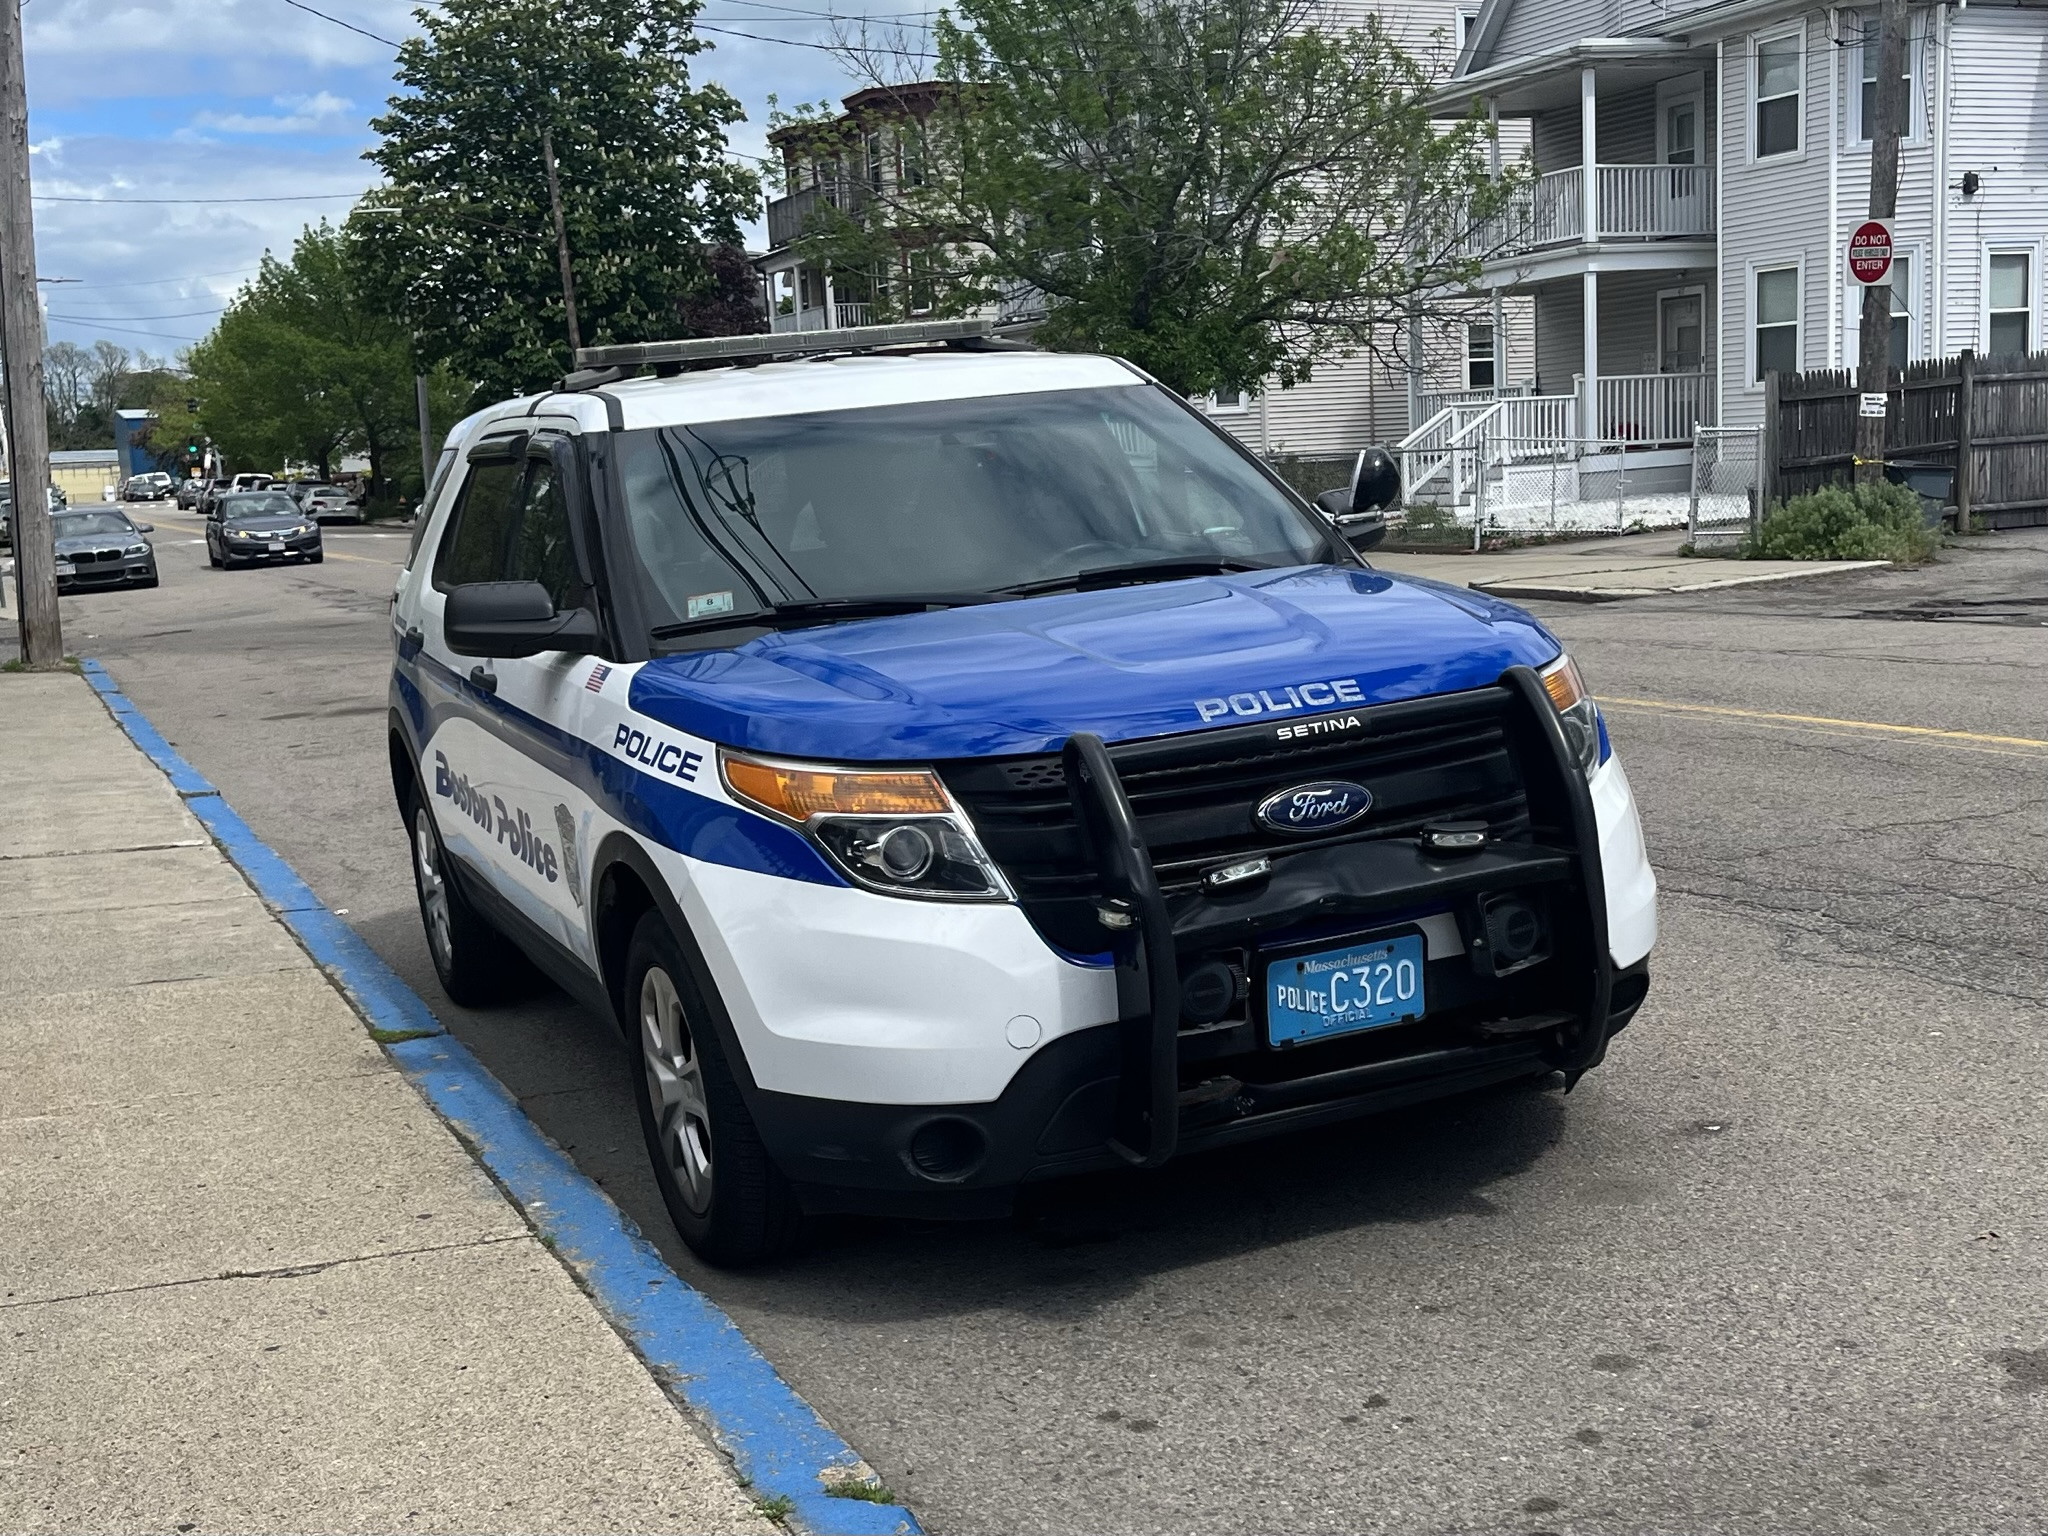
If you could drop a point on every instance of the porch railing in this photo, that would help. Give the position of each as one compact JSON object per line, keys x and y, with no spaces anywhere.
{"x":1654,"y":407}
{"x":1434,"y":400}
{"x":788,"y":217}
{"x":1451,"y":454}
{"x":1634,"y":202}
{"x":823,"y":318}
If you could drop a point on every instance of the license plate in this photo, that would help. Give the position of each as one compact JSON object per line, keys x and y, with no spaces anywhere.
{"x":1367,"y":984}
{"x":66,"y":568}
{"x":277,"y":546}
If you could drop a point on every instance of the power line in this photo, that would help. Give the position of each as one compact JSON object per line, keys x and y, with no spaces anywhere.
{"x":154,"y":282}
{"x":124,"y":329}
{"x":300,"y":5}
{"x":183,"y":314}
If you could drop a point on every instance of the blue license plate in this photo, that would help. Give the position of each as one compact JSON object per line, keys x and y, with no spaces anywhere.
{"x":1367,"y":984}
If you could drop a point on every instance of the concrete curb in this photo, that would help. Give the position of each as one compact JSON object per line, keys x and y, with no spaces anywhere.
{"x":781,"y":1447}
{"x":1566,"y":592}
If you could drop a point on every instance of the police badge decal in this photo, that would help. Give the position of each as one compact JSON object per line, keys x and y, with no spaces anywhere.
{"x":572,"y":866}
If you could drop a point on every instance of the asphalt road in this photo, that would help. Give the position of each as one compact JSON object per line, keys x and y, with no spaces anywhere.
{"x":1777,"y":1266}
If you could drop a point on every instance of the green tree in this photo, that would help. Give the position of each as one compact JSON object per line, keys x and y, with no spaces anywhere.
{"x":463,"y":233}
{"x":1223,"y":191}
{"x":308,"y":363}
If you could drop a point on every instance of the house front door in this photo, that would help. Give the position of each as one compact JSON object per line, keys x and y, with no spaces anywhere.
{"x":1680,"y":333}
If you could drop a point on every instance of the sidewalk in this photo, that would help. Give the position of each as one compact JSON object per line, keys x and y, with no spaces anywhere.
{"x":1607,"y":570}
{"x":251,"y":1280}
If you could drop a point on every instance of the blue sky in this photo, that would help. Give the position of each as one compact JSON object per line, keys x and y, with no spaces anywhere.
{"x":197,"y":101}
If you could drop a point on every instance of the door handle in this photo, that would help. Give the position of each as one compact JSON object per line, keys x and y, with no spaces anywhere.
{"x":482,"y":677}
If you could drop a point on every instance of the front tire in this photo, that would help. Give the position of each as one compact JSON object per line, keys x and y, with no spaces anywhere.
{"x":729,"y":1201}
{"x":475,"y":964}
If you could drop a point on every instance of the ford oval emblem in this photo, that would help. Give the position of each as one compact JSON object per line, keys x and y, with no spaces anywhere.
{"x":1317,"y":807}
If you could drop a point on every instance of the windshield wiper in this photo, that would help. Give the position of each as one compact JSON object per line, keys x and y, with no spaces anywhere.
{"x":797,"y":612}
{"x":1098,"y":577}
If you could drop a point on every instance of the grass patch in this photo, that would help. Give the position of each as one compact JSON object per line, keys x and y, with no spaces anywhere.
{"x":870,"y":1493}
{"x":1865,"y":522}
{"x":68,"y":664}
{"x":779,"y":1508}
{"x":399,"y":1036}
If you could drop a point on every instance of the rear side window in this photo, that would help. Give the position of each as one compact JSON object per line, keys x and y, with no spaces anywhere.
{"x":479,"y":544}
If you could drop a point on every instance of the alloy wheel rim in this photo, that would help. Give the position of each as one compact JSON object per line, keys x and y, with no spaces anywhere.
{"x":675,"y":1088}
{"x":433,"y":889}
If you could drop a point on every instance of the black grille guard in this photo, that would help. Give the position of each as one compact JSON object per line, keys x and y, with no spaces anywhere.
{"x":1145,"y":926}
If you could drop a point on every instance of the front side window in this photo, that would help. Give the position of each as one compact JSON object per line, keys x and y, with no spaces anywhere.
{"x":1479,"y":357}
{"x":541,"y":548}
{"x":972,"y":496}
{"x":1779,"y":64}
{"x":480,"y":533}
{"x":1777,"y":321}
{"x":2010,"y":327}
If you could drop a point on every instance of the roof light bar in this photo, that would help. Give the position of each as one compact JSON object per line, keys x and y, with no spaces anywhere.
{"x":723,"y":349}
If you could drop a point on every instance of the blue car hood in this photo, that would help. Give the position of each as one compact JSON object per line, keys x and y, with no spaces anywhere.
{"x":1131,"y":662}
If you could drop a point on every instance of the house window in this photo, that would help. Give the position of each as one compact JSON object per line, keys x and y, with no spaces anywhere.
{"x":1866,"y":99}
{"x":1229,"y":402}
{"x":1682,"y":133}
{"x":1777,"y":321}
{"x":1467,"y":20}
{"x":1479,"y":357}
{"x":2009,"y":323}
{"x":1779,"y":64}
{"x":875,"y":152}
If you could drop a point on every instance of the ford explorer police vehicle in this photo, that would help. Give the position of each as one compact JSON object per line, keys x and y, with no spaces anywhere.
{"x":955,"y":765}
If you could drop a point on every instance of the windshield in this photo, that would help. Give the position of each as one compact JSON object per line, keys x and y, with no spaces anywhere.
{"x":952,"y":496}
{"x":267,"y":504}
{"x":92,"y":525}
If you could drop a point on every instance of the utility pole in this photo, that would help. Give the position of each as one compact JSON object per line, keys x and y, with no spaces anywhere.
{"x":1874,"y":344}
{"x":21,"y":323}
{"x":547,"y":151}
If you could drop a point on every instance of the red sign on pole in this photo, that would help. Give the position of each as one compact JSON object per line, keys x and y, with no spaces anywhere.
{"x":1870,"y":251}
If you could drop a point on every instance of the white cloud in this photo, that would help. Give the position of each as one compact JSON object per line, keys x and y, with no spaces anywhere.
{"x":323,"y":112}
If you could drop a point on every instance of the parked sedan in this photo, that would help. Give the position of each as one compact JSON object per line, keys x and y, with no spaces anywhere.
{"x":258,"y":527}
{"x":330,"y":504}
{"x":102,"y":548}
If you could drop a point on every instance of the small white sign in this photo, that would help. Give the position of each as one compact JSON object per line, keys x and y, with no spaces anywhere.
{"x":1873,"y":405}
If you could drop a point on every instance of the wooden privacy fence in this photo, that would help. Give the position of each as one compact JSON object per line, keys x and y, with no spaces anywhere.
{"x":1986,"y":418}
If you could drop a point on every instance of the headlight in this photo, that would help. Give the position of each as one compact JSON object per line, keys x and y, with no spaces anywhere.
{"x":1576,"y":712}
{"x":136,"y":549}
{"x":890,"y":830}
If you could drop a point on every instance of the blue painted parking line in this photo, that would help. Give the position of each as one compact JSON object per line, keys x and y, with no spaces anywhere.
{"x":777,"y":1441}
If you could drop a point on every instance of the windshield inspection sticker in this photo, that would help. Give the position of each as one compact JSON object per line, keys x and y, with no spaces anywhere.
{"x":1337,"y":690}
{"x":705,"y":604}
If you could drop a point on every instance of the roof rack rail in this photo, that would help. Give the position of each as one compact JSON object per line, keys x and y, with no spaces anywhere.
{"x":729,"y":349}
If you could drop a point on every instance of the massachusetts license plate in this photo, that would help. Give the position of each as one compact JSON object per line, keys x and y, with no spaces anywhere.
{"x":66,"y":568}
{"x":1367,"y":984}
{"x":277,"y":546}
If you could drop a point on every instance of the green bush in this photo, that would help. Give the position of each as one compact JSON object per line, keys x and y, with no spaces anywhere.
{"x":1867,"y":522}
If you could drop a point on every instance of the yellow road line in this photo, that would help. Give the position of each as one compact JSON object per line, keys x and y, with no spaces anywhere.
{"x":1881,"y":727}
{"x":335,"y":554}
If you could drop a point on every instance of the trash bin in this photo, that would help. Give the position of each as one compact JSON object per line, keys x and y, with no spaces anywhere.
{"x":1932,"y":480}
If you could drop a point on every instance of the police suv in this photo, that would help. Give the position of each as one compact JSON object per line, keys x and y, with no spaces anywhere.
{"x":955,"y":765}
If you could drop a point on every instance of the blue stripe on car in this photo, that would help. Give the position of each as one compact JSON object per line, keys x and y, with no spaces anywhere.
{"x":663,"y":812}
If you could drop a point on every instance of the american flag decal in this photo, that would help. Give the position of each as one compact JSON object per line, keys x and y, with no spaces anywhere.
{"x":598,"y":673}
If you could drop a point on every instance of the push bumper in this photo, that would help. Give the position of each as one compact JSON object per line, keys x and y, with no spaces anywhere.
{"x":1059,"y":1117}
{"x":1134,"y":1092}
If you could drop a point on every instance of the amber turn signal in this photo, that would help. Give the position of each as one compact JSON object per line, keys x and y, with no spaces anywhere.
{"x":797,"y":793}
{"x":1562,"y":682}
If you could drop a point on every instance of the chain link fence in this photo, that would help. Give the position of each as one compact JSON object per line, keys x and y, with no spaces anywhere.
{"x":1726,"y":501}
{"x":1553,"y":485}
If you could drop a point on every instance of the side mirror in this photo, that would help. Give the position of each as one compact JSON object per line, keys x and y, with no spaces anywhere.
{"x":514,"y":618}
{"x":145,"y":527}
{"x":1359,"y":509}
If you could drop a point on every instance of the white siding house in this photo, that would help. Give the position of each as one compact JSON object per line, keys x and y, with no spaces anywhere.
{"x":1758,"y":228}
